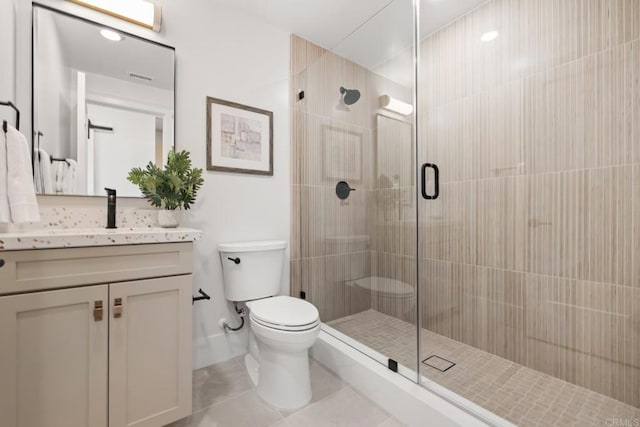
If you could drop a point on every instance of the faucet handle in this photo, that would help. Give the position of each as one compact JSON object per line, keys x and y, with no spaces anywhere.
{"x":110,"y":191}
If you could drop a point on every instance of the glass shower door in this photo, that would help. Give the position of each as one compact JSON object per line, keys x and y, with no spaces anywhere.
{"x":528,"y":288}
{"x":354,"y":231}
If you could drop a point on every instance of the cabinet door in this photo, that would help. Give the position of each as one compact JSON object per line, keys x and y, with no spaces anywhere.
{"x":53,"y":358}
{"x":150,"y":351}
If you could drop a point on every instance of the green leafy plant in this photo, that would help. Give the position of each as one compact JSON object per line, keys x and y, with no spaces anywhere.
{"x":173,"y":187}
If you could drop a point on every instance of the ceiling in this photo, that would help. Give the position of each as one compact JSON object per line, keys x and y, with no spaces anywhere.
{"x":372,"y":33}
{"x":83,"y":48}
{"x":368,"y":32}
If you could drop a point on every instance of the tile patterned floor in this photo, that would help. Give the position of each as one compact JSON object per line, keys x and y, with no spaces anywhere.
{"x":521,"y":395}
{"x":224,"y":396}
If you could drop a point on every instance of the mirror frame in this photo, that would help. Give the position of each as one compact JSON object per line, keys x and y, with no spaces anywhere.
{"x":34,"y":6}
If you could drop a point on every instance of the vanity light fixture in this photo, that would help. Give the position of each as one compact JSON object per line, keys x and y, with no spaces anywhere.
{"x":139,"y":12}
{"x":395,"y":105}
{"x":110,"y":35}
{"x":489,"y":36}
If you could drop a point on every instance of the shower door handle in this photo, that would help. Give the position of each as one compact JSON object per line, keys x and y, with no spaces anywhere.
{"x":436,"y":191}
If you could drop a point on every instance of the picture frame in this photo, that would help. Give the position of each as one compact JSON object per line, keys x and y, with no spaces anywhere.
{"x":239,"y":138}
{"x":342,"y":154}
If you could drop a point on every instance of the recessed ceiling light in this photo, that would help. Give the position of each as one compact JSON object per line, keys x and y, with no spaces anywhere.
{"x":489,"y":36}
{"x":110,"y":35}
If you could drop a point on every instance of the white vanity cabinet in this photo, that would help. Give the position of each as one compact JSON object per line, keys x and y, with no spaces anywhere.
{"x":150,"y":352}
{"x":78,"y":349}
{"x":53,"y":359}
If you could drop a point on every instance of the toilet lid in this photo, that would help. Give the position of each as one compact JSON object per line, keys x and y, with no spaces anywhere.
{"x":283,"y":311}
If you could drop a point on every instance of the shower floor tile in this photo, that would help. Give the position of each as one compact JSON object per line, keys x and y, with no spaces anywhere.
{"x":517,"y":393}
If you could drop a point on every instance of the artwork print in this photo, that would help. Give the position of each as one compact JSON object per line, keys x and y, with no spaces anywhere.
{"x":239,"y":138}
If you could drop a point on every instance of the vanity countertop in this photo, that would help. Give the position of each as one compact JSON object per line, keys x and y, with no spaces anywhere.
{"x":82,"y":237}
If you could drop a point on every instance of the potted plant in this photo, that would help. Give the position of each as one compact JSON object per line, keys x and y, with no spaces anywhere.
{"x":172,"y":188}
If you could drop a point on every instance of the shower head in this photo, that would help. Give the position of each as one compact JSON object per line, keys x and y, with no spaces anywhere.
{"x":350,"y":96}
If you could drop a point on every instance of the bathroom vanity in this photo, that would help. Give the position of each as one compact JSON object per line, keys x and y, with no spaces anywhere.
{"x":96,"y":334}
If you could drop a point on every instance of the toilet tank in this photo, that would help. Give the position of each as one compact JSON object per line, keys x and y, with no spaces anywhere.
{"x":252,"y":270}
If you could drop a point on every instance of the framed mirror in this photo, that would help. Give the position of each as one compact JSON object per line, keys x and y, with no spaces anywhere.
{"x":103,"y":102}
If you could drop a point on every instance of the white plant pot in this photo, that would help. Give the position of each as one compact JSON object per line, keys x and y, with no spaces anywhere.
{"x":168,"y":218}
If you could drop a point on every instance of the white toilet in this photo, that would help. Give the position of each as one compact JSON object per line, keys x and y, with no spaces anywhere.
{"x":283,"y":328}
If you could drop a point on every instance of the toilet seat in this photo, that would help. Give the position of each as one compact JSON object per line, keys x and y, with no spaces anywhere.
{"x":301,"y":328}
{"x":284,"y":313}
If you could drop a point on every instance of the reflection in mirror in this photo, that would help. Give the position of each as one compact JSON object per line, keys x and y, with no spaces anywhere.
{"x":103,"y":103}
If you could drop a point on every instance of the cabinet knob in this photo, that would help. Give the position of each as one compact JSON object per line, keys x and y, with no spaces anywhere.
{"x":117,"y":307}
{"x":1,"y":263}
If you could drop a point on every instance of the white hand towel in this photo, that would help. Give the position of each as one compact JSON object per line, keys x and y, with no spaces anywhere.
{"x":59,"y":172}
{"x":5,"y":212}
{"x":73,"y":176}
{"x":37,"y":178}
{"x":45,"y":171}
{"x":64,"y":178}
{"x":22,"y":195}
{"x":67,"y":177}
{"x":54,"y":173}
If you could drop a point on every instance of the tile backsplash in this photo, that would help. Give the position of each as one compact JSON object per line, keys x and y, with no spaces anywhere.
{"x":64,"y":212}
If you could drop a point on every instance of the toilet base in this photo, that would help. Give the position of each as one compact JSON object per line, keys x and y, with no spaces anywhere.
{"x":282,"y":378}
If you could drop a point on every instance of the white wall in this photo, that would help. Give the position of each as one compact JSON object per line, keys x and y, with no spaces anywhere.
{"x":133,"y":133}
{"x":53,"y":80}
{"x":7,"y":69}
{"x":231,"y":56}
{"x":137,"y":95}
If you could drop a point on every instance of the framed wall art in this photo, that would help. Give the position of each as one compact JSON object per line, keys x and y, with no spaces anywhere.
{"x":239,"y":138}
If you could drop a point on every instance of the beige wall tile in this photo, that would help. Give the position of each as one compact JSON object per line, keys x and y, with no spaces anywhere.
{"x":448,"y":226}
{"x":395,"y":228}
{"x":328,"y":283}
{"x":501,"y":222}
{"x":296,"y":277}
{"x":332,"y":150}
{"x":334,"y":237}
{"x":393,"y":284}
{"x":531,"y":249}
{"x":312,"y":221}
{"x":298,"y":57}
{"x":296,"y":218}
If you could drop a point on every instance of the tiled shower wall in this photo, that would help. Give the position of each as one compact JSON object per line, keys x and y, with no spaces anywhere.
{"x":394,"y":233}
{"x":330,"y":238}
{"x":532,"y":251}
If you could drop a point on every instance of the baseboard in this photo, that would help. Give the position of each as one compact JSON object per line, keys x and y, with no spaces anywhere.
{"x":218,"y":348}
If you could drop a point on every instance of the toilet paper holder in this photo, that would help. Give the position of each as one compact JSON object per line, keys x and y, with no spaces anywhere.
{"x":203,"y":296}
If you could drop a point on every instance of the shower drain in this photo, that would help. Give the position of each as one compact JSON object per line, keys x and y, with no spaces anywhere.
{"x":439,"y":363}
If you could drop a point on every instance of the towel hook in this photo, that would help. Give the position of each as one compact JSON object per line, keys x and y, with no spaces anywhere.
{"x":4,"y":122}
